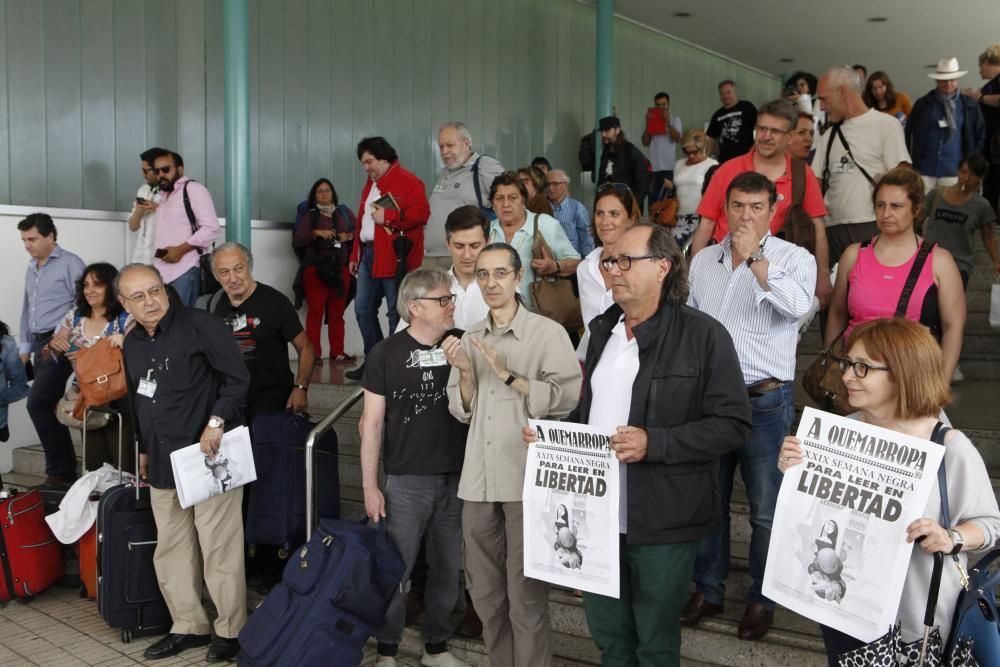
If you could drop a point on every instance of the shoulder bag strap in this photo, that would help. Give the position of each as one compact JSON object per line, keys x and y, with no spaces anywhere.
{"x":911,"y":280}
{"x":190,"y":212}
{"x":843,"y":141}
{"x":940,"y":430}
{"x":826,"y":161}
{"x":475,"y":181}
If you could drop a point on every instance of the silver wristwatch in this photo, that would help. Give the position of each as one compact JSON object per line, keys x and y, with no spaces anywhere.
{"x":755,"y":256}
{"x":215,"y":422}
{"x":957,"y":540}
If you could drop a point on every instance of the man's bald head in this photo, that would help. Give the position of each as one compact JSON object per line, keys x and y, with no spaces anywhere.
{"x":142,"y":293}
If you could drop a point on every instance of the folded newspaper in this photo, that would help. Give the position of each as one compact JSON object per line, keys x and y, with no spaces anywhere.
{"x":570,"y":508}
{"x":199,"y":477}
{"x":838,"y":552}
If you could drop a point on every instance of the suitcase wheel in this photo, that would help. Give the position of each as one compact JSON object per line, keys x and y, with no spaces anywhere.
{"x":126,"y":635}
{"x":283,"y":553}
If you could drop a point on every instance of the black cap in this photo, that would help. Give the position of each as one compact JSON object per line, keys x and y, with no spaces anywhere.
{"x":609,"y":122}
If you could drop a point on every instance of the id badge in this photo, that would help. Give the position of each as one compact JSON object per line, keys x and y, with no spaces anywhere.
{"x":240,"y":322}
{"x":147,"y":388}
{"x":942,"y":123}
{"x":431,"y":358}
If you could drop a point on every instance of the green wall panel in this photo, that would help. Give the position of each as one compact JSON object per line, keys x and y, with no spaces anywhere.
{"x":86,"y":85}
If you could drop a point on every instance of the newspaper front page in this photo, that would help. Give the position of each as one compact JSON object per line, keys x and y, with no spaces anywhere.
{"x":571,"y":508}
{"x":838,"y":552}
{"x":199,"y":477}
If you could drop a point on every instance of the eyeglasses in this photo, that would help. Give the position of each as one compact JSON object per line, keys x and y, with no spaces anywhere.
{"x":552,"y":184}
{"x":163,"y":170}
{"x":691,"y":151}
{"x":624,"y":262}
{"x":443,"y":301}
{"x":153,"y":293}
{"x":763,"y":129}
{"x":482,"y":275}
{"x":617,"y":187}
{"x":860,"y":368}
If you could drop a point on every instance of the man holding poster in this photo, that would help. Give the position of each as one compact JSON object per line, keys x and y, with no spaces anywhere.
{"x":858,"y":491}
{"x":664,"y":380}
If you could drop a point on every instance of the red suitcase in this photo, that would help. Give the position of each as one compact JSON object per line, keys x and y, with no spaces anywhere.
{"x":29,"y":552}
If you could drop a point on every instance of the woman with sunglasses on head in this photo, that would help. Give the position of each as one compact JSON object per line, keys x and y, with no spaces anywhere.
{"x":873,"y":274}
{"x":615,"y":210}
{"x":516,"y":224}
{"x":895,"y":379}
{"x":689,"y":177}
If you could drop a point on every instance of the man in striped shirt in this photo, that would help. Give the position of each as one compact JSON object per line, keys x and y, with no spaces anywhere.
{"x":757,"y":286}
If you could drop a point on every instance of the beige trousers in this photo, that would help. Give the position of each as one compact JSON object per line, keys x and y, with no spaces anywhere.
{"x":513,"y":608}
{"x":204,"y":542}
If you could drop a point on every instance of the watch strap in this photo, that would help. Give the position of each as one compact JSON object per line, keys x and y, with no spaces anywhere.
{"x":510,"y":379}
{"x":303,"y":387}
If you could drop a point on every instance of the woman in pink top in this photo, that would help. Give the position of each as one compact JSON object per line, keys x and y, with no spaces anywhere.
{"x":872,"y":274}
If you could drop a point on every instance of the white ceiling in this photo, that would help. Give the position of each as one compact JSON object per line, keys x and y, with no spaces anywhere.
{"x":818,"y":34}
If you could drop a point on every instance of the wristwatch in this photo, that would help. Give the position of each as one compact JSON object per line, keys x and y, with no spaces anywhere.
{"x":216,"y":422}
{"x":303,"y":387}
{"x":755,"y":256}
{"x":957,"y":540}
{"x":510,"y":379}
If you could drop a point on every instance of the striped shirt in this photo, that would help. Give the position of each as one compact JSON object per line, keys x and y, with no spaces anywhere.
{"x":762,"y":324}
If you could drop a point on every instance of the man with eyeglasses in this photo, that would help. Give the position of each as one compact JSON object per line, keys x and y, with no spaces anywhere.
{"x":406,"y":419}
{"x":186,"y":225}
{"x":664,"y":380}
{"x":187,"y":383}
{"x":511,"y":366}
{"x":769,"y":156}
{"x":571,"y":213}
{"x":142,"y":219}
{"x":757,"y":286}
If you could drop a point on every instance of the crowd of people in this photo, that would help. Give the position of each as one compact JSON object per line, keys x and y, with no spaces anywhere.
{"x":687,"y":352}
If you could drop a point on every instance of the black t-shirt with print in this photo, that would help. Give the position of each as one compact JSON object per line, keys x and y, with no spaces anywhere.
{"x":733,"y":129}
{"x":421,"y":437}
{"x":263,"y":326}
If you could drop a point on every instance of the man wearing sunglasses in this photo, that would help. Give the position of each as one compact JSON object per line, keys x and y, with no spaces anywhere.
{"x":757,"y":286}
{"x":186,"y":225}
{"x":406,"y":408}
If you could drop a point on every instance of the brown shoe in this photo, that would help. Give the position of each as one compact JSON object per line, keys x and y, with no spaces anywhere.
{"x":756,"y":621}
{"x":697,"y":608}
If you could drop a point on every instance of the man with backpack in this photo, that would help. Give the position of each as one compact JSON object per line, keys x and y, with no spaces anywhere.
{"x":464,"y":180}
{"x":186,"y":225}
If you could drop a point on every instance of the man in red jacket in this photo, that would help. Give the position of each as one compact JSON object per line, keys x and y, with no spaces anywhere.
{"x":384,"y":221}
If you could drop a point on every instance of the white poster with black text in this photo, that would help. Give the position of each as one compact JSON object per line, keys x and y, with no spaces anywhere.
{"x":571,"y":508}
{"x":838,"y":552}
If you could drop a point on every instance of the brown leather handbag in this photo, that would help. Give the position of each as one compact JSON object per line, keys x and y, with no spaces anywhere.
{"x":100,"y":372}
{"x":664,"y":212}
{"x":553,"y":297}
{"x":824,"y":382}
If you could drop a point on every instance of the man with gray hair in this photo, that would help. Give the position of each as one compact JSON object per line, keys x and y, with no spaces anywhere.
{"x":859,"y":146}
{"x":263,"y":323}
{"x":406,"y":408}
{"x":465,"y":179}
{"x":570,"y":213}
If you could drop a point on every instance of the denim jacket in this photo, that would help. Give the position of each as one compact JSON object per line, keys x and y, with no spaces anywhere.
{"x":13,"y":378}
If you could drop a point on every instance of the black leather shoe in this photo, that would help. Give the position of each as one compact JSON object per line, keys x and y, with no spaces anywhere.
{"x":222,"y":649}
{"x":355,"y":374}
{"x":173,"y":644}
{"x":698,"y":608}
{"x":756,"y":621}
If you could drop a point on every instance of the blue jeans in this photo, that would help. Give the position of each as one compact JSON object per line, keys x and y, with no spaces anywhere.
{"x":773,"y":414}
{"x":49,"y":386}
{"x":419,"y":506}
{"x":188,"y":286}
{"x":369,"y":297}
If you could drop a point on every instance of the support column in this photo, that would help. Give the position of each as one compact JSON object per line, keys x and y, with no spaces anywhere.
{"x":235,"y":35}
{"x":605,"y":69}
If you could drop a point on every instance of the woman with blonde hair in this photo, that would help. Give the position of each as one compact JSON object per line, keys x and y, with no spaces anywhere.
{"x":894,"y":373}
{"x":689,"y":176}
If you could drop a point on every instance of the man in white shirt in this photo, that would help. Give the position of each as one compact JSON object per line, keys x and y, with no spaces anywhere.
{"x":142,"y":219}
{"x":662,"y":148}
{"x":859,"y":146}
{"x":757,"y":286}
{"x":464,"y":170}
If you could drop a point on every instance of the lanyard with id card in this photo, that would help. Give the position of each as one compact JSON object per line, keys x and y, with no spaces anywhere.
{"x":147,"y":385}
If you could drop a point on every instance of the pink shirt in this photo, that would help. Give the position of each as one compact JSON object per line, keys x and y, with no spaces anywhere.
{"x":874,"y":289}
{"x":173,"y":228}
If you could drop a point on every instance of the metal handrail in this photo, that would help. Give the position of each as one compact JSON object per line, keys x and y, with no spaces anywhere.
{"x":314,"y":434}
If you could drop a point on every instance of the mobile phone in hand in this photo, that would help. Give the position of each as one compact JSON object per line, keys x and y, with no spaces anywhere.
{"x":160,"y":253}
{"x":140,"y":200}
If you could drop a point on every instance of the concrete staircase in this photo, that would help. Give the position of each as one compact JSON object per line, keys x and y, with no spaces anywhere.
{"x":793,"y":640}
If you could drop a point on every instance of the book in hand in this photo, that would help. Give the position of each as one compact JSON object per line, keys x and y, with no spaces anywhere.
{"x":387,"y":201}
{"x":656,"y":121}
{"x":199,"y":477}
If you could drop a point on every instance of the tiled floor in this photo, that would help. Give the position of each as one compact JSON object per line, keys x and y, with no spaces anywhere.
{"x":59,"y":629}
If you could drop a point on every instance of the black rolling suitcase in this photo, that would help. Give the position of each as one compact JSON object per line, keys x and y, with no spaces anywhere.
{"x":128,"y":592}
{"x":276,"y":506}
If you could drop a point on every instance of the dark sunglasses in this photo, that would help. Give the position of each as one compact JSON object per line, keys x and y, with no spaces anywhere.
{"x":163,"y":170}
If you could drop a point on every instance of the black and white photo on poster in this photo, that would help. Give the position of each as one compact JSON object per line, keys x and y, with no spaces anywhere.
{"x":838,"y":553}
{"x":571,"y":508}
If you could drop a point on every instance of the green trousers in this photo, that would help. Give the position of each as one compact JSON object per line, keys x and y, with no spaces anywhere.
{"x":642,"y":627}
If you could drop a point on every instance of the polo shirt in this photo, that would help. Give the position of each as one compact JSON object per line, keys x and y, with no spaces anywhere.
{"x":713,"y":204}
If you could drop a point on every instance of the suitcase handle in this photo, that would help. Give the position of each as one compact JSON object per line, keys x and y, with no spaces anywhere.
{"x":314,"y":435}
{"x":121,"y":449}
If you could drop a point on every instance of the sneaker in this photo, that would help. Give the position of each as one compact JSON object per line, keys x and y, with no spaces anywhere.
{"x":444,"y":659}
{"x":957,"y":376}
{"x":356,"y":374}
{"x":344,"y":359}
